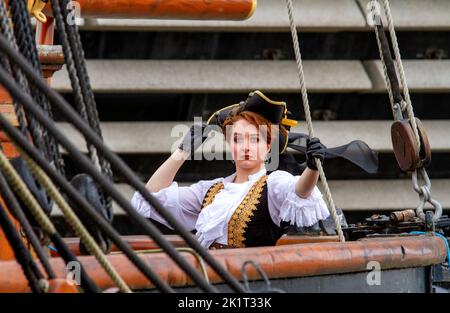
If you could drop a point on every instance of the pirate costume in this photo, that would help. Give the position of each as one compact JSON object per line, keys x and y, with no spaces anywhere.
{"x":257,"y":212}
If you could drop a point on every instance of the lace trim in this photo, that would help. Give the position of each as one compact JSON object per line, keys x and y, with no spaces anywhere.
{"x":243,"y":214}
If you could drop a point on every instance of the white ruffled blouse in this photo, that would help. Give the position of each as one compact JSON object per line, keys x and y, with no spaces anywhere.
{"x":211,"y":223}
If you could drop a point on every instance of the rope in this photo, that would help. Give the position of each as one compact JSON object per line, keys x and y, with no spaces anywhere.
{"x":76,"y":224}
{"x":7,"y":31}
{"x":21,"y":143}
{"x":27,"y":47}
{"x":200,"y":260}
{"x":408,"y":106}
{"x":25,"y":194}
{"x":393,"y":89}
{"x":72,"y":71}
{"x":301,"y":76}
{"x":385,"y":72}
{"x":21,"y":253}
{"x":149,"y":228}
{"x":14,"y":207}
{"x":84,"y":96}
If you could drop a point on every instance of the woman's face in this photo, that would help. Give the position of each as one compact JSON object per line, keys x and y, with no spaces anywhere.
{"x":248,"y":144}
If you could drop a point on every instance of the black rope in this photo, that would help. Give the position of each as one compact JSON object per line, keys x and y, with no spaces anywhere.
{"x":87,"y":283}
{"x":21,"y":253}
{"x":7,"y":31}
{"x":123,"y":169}
{"x":160,"y":240}
{"x":84,"y":96}
{"x":15,"y":209}
{"x":27,"y":47}
{"x":84,"y":162}
{"x":67,"y":188}
{"x":20,"y":114}
{"x":390,"y":66}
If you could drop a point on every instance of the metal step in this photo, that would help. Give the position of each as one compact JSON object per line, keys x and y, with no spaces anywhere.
{"x":150,"y":76}
{"x":176,"y":76}
{"x":155,"y":137}
{"x":356,"y":195}
{"x":311,"y":15}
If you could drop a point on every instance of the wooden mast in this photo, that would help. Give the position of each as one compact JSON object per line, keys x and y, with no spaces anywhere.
{"x":167,"y":9}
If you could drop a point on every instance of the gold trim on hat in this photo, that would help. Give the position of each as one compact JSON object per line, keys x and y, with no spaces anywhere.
{"x":218,"y":112}
{"x":267,"y":99}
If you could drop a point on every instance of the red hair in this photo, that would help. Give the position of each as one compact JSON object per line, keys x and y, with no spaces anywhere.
{"x":251,"y":117}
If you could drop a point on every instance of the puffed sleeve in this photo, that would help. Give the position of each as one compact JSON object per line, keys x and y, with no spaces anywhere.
{"x":183,"y":202}
{"x":286,"y":205}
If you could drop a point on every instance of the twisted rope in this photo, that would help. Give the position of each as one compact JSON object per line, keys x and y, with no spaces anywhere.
{"x":304,"y":92}
{"x":26,"y":43}
{"x":84,"y":96}
{"x":6,"y":30}
{"x":408,"y":105}
{"x":76,"y":224}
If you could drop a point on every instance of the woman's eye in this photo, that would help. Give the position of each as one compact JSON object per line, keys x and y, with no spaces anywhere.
{"x":237,"y":140}
{"x":254,"y":140}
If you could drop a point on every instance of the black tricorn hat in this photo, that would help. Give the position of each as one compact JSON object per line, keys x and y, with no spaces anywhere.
{"x":274,"y":111}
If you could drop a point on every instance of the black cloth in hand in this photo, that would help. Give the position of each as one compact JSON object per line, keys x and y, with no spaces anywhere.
{"x":314,"y":149}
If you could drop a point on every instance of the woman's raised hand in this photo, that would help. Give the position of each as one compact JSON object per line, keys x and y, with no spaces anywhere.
{"x":314,"y":149}
{"x":195,"y":137}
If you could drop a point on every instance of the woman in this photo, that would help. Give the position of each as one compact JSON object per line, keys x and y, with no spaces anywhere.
{"x":249,"y":207}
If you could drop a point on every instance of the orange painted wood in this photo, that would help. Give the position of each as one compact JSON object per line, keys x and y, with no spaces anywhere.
{"x":6,"y":252}
{"x":4,"y":96}
{"x":286,"y":261}
{"x":167,"y":9}
{"x":139,"y":243}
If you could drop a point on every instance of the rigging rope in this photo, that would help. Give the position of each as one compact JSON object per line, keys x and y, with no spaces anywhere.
{"x":304,"y":92}
{"x":84,"y":96}
{"x":6,"y":30}
{"x":129,"y":176}
{"x":199,"y":259}
{"x":21,"y":143}
{"x":393,"y":87}
{"x":409,"y":108}
{"x":14,"y":207}
{"x":27,"y":47}
{"x":76,"y":224}
{"x":23,"y":256}
{"x":24,"y":193}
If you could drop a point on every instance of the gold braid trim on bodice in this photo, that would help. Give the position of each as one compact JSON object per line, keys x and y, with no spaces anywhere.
{"x":211,"y":194}
{"x":242,"y":214}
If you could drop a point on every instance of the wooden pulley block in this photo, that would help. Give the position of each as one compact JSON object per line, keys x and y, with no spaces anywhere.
{"x":404,"y":145}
